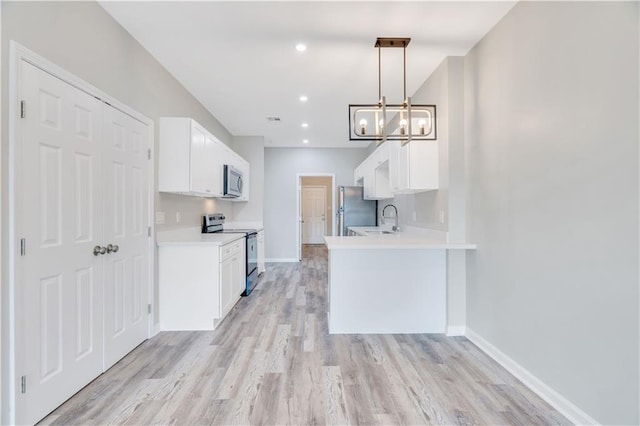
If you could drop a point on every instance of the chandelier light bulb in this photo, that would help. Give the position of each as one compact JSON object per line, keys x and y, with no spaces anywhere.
{"x":363,"y":126}
{"x":422,"y":124}
{"x":403,"y":126}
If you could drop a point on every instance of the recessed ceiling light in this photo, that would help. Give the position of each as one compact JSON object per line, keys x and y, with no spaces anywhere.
{"x":303,"y":98}
{"x":305,"y":141}
{"x":301,"y":47}
{"x":305,"y":125}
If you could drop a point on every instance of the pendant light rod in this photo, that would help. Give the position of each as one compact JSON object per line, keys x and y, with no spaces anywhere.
{"x":379,"y":77}
{"x":404,"y":69}
{"x":395,"y":42}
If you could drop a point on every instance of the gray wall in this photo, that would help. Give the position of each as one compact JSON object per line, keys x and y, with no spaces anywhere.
{"x":281,"y":165}
{"x":251,"y":148}
{"x":552,"y":145}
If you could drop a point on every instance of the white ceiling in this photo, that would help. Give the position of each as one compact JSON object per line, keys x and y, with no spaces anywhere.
{"x":239,"y":59}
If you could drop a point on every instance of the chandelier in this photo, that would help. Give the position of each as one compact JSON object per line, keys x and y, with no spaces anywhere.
{"x":381,"y":122}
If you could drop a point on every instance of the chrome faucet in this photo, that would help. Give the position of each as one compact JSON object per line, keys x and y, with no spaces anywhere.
{"x":395,"y":227}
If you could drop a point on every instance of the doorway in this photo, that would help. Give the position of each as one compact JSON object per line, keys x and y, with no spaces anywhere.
{"x":315,"y":206}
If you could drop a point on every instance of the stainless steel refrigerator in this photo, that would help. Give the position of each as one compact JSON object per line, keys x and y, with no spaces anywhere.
{"x":354,"y":210}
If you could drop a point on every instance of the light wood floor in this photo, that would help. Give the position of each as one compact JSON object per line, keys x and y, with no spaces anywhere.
{"x":273,"y":362}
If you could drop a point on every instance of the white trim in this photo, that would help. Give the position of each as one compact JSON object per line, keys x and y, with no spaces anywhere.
{"x":299,"y":177}
{"x":544,"y":391}
{"x":456,"y":330}
{"x":18,"y":54}
{"x":282,"y":260}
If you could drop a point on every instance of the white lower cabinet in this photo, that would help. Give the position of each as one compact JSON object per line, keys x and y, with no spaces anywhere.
{"x":199,"y":283}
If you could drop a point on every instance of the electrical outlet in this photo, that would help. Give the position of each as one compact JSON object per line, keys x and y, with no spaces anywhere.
{"x":160,"y":218}
{"x":414,"y":216}
{"x":441,"y":216}
{"x":178,"y":217}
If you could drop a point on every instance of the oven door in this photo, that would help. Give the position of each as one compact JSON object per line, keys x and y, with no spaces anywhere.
{"x":232,"y":182}
{"x":252,"y":263}
{"x":252,"y":253}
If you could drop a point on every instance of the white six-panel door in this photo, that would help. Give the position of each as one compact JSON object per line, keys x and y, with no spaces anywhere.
{"x":126,"y":281}
{"x":61,"y":215}
{"x":83,"y":185}
{"x":313,"y":214}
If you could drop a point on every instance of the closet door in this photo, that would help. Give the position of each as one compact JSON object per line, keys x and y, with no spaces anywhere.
{"x":59,"y":215}
{"x":125,"y":207}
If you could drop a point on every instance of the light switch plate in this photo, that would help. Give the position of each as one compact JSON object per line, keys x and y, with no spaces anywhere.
{"x":178,"y":217}
{"x":441,"y":216}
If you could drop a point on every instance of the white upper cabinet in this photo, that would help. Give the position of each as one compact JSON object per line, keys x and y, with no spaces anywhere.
{"x":396,"y":169}
{"x":413,"y":167}
{"x":192,"y":159}
{"x":373,"y":175}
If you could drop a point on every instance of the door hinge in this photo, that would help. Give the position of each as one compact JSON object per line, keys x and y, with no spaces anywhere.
{"x":148,"y":231}
{"x":149,"y":308}
{"x":148,"y":153}
{"x":23,"y":109}
{"x":23,"y":384}
{"x":23,"y":247}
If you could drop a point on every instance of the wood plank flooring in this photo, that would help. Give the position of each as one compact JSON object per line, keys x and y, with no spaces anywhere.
{"x":272,"y":361}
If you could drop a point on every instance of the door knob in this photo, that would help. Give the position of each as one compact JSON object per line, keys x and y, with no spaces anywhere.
{"x":112,"y":248}
{"x":99,"y":250}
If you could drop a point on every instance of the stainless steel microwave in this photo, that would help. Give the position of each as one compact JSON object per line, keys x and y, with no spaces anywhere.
{"x":232,"y":182}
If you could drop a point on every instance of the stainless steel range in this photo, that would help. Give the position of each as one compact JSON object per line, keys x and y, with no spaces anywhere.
{"x":212,"y":223}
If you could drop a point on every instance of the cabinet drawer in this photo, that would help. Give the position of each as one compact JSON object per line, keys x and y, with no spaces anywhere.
{"x":231,"y":249}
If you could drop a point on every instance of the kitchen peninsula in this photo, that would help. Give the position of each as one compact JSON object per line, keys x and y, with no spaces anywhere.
{"x":383,"y":282}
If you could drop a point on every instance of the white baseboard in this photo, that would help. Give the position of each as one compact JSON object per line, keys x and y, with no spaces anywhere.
{"x":553,"y":398}
{"x":456,"y":330}
{"x":282,"y":260}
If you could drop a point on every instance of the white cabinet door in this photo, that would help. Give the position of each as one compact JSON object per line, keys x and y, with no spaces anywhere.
{"x":203,"y":158}
{"x":227,"y":275}
{"x":416,"y":169}
{"x":239,"y":275}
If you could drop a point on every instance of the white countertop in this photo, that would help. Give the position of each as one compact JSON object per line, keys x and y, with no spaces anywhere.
{"x":194,"y":236}
{"x":409,"y":239}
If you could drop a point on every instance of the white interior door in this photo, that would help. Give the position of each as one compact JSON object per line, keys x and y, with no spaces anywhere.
{"x":59,"y":312}
{"x":313,"y":214}
{"x":126,"y":276}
